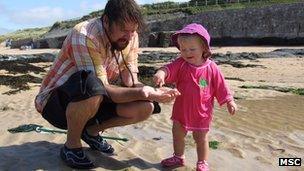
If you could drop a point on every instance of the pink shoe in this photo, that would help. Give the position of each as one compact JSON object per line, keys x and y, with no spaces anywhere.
{"x":202,"y":166}
{"x":173,"y":161}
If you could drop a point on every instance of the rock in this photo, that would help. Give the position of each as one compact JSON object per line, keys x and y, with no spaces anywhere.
{"x":54,"y":42}
{"x":160,"y":39}
{"x":152,"y":40}
{"x":22,"y":42}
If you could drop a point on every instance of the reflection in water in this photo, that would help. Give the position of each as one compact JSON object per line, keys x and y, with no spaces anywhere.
{"x":275,"y":114}
{"x":272,"y":127}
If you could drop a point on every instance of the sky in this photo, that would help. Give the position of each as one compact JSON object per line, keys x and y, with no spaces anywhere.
{"x":21,"y":14}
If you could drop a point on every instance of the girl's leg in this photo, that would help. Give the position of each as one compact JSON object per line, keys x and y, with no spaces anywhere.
{"x":177,"y":159}
{"x":179,"y":134}
{"x":202,"y":144}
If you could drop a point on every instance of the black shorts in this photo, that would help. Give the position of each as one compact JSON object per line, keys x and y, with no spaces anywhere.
{"x":80,"y":86}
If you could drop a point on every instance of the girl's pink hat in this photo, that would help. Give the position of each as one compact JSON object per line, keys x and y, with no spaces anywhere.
{"x":192,"y":29}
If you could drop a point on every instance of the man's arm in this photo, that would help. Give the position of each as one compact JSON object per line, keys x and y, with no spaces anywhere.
{"x":129,"y":94}
{"x":127,"y":79}
{"x":124,"y":94}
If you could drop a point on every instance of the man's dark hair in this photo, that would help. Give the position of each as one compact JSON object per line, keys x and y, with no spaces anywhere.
{"x":123,"y":11}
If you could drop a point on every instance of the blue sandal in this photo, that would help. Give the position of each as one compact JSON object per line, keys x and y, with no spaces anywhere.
{"x":97,"y":143}
{"x":75,"y":158}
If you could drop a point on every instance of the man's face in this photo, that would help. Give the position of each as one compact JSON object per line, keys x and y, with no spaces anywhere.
{"x":121,"y":34}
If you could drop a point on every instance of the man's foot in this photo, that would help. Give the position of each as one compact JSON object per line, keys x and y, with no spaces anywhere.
{"x":75,"y":158}
{"x":97,"y":143}
{"x":173,"y":161}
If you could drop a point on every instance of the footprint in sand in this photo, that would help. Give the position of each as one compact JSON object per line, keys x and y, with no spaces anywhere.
{"x":237,"y":152}
{"x":253,"y":147}
{"x":263,"y":160}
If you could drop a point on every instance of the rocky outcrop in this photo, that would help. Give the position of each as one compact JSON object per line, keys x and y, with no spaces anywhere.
{"x":164,"y":57}
{"x":42,"y":57}
{"x":22,"y":69}
{"x":234,"y":59}
{"x":55,"y":42}
{"x":160,"y":39}
{"x":20,"y":66}
{"x":53,"y":39}
{"x":22,"y":42}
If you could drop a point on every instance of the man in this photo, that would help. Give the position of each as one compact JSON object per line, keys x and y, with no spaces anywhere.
{"x":78,"y":93}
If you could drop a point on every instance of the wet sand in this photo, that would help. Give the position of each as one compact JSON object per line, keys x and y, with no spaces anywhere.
{"x":268,"y":125}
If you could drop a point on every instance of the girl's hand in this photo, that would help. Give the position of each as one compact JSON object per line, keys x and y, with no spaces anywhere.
{"x":159,"y":78}
{"x":232,"y":107}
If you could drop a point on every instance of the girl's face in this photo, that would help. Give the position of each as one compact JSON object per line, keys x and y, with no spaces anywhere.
{"x":192,"y":49}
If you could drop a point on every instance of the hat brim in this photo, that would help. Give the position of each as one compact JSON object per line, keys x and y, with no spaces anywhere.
{"x":175,"y":36}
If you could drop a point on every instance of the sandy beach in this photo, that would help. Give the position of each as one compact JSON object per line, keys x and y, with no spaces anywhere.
{"x":268,"y":126}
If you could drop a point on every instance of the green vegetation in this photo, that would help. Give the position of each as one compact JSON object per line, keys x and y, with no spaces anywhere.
{"x":191,"y":7}
{"x":71,"y":23}
{"x":298,"y":91}
{"x":213,"y":144}
{"x":197,"y":6}
{"x":25,"y":33}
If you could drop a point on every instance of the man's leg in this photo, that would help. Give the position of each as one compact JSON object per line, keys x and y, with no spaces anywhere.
{"x":77,"y":114}
{"x":128,"y":113}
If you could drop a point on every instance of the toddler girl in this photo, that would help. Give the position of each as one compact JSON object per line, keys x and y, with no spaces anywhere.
{"x":199,"y":80}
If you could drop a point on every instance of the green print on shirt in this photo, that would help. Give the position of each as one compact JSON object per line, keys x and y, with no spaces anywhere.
{"x":203,"y":83}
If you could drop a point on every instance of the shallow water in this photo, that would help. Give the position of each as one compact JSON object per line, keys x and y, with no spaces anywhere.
{"x":284,"y":113}
{"x":264,"y":129}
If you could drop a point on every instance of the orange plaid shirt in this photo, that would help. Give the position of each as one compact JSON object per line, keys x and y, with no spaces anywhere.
{"x":87,"y":48}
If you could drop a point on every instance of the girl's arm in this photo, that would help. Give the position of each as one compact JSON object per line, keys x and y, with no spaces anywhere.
{"x":222,"y":91}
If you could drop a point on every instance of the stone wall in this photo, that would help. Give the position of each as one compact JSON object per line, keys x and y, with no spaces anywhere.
{"x":280,"y":24}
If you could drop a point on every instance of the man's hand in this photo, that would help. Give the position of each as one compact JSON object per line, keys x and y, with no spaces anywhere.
{"x":232,"y":107}
{"x":162,"y":95}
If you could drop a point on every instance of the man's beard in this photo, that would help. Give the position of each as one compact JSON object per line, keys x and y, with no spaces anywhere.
{"x":120,"y":44}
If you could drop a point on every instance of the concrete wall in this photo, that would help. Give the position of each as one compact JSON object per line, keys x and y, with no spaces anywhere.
{"x":281,"y":24}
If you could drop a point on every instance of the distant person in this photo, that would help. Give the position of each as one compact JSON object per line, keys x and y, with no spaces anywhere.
{"x":8,"y":43}
{"x":78,"y":93}
{"x":199,"y":80}
{"x":31,"y":44}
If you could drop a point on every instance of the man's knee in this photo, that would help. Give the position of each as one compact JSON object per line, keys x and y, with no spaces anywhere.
{"x":93,"y":103}
{"x":137,"y":111}
{"x":147,"y":109}
{"x":89,"y":106}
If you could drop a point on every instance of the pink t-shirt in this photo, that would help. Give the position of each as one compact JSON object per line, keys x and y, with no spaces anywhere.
{"x":198,"y":86}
